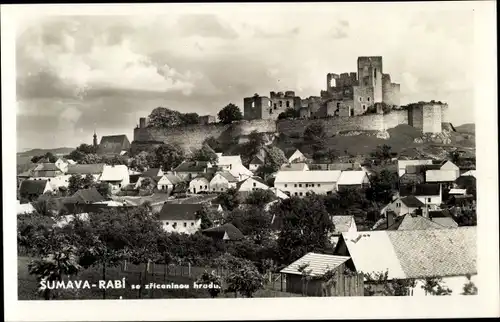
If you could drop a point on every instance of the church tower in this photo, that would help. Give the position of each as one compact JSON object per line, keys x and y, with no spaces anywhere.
{"x":95,"y":140}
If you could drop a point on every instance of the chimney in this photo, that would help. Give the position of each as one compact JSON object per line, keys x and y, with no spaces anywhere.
{"x":390,"y":219}
{"x":142,"y":122}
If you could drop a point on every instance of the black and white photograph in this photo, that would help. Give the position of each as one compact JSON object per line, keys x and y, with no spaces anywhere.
{"x":250,"y":154}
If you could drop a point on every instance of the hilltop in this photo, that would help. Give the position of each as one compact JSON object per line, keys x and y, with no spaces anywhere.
{"x":25,"y":157}
{"x":466,"y":128}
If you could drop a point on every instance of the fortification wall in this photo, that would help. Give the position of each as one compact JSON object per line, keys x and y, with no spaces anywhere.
{"x":193,"y":135}
{"x":431,"y":119}
{"x":395,"y":118}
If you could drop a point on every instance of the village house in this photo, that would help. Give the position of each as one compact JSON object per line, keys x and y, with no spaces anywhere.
{"x":222,"y":181}
{"x":46,"y":170}
{"x":25,"y":175}
{"x":251,"y":184}
{"x":152,"y":173}
{"x":116,"y":176}
{"x":190,"y":169}
{"x":339,"y":166}
{"x":256,"y":162}
{"x":112,"y":145}
{"x":469,"y":173}
{"x":404,"y":205}
{"x":294,"y":167}
{"x":428,"y":193}
{"x":164,"y":181}
{"x":301,"y":183}
{"x":353,"y":179}
{"x":226,"y":232}
{"x":201,"y":183}
{"x":316,"y":266}
{"x":295,"y":156}
{"x":63,"y":163}
{"x":90,"y":195}
{"x":234,"y":165}
{"x":180,"y":218}
{"x":449,"y":254}
{"x":414,"y":221}
{"x":343,"y":224}
{"x":94,"y":170}
{"x":448,"y":172}
{"x":30,"y":190}
{"x":402,"y":164}
{"x":25,"y":208}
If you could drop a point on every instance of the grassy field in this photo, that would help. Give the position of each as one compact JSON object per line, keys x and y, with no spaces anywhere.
{"x":27,"y":285}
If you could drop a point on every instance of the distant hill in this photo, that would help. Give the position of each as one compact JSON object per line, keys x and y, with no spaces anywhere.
{"x":466,"y":128}
{"x":25,"y":157}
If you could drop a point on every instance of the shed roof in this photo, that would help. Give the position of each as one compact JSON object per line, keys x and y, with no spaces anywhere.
{"x":412,"y":202}
{"x":318,"y":264}
{"x":228,"y":230}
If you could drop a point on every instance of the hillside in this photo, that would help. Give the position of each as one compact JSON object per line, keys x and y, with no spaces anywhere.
{"x":23,"y":159}
{"x":466,"y":128}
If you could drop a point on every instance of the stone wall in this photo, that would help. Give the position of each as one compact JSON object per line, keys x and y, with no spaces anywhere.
{"x":363,"y":98}
{"x":395,"y":118}
{"x":431,"y":118}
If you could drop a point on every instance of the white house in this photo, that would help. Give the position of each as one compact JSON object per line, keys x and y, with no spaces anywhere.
{"x":458,"y":192}
{"x":280,"y":194}
{"x":450,"y":166}
{"x":201,"y":183}
{"x":299,"y":166}
{"x":180,"y":218}
{"x":441,"y":176}
{"x":402,"y":164}
{"x":256,"y":162}
{"x":86,"y":169}
{"x":116,"y":176}
{"x":251,"y":184}
{"x":190,"y":169}
{"x":353,"y":179}
{"x":222,"y":181}
{"x":430,"y":194}
{"x":31,"y":189}
{"x":59,"y":181}
{"x":299,"y":183}
{"x":414,"y":254}
{"x":404,"y":205}
{"x":296,"y":156}
{"x":63,"y":164}
{"x":234,"y":165}
{"x":153,"y":173}
{"x":24,"y":208}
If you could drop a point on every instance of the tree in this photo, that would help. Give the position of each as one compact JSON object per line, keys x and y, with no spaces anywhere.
{"x":203,"y":214}
{"x":213,"y":143}
{"x":251,"y":221}
{"x":275,"y":158}
{"x":205,"y":153}
{"x":164,"y":117}
{"x":214,"y":282}
{"x":190,"y":118}
{"x":116,"y":160}
{"x":306,"y":226}
{"x":382,"y":153}
{"x":142,"y":161}
{"x":229,"y":199}
{"x":315,"y":132}
{"x":229,"y":114}
{"x":454,"y":156}
{"x":435,"y":286}
{"x":245,"y":280}
{"x":289,"y":113}
{"x":469,"y":287}
{"x":91,"y":158}
{"x":382,"y":186}
{"x":391,"y":287}
{"x":32,"y":230}
{"x":169,"y":156}
{"x":260,"y":197}
{"x":81,"y":151}
{"x":47,"y":157}
{"x":77,"y":182}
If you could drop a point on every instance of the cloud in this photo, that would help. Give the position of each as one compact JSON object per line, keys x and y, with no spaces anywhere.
{"x":205,"y":26}
{"x":340,"y":30}
{"x":261,"y":33}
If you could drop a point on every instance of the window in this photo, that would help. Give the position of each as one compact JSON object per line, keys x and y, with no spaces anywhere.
{"x":49,"y":180}
{"x":338,"y":105}
{"x":295,"y":185}
{"x":307,"y":185}
{"x":368,"y":99}
{"x":319,"y":185}
{"x":295,"y":193}
{"x":192,"y":224}
{"x":300,"y":185}
{"x":286,"y":185}
{"x":281,"y":103}
{"x":274,"y":105}
{"x":206,"y":187}
{"x":254,"y":184}
{"x":270,"y":111}
{"x":428,"y":199}
{"x":287,"y":103}
{"x":364,"y":106}
{"x":119,"y":185}
{"x":166,"y":224}
{"x":312,"y":185}
{"x":185,"y":224}
{"x":201,"y":187}
{"x":300,"y":193}
{"x":221,"y":189}
{"x":214,"y":189}
{"x":360,"y":99}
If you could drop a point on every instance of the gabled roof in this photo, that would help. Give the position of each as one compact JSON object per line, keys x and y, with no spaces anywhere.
{"x":446,"y":222}
{"x":342,"y":223}
{"x":289,"y":153}
{"x":179,"y":211}
{"x":257,"y":160}
{"x":417,"y":222}
{"x":424,"y":189}
{"x":84,"y":169}
{"x":294,"y":167}
{"x":403,"y":163}
{"x":469,"y":173}
{"x":227,"y":230}
{"x":256,"y":178}
{"x":114,"y":173}
{"x":192,"y":166}
{"x":318,"y":264}
{"x":113,"y":144}
{"x":415,"y":253}
{"x":36,"y":187}
{"x":228,"y":159}
{"x":173,"y":178}
{"x":151,"y":173}
{"x":307,"y":176}
{"x":412,"y":202}
{"x":352,"y":177}
{"x":90,"y":195}
{"x":228,"y":176}
{"x":206,"y":176}
{"x":47,"y":167}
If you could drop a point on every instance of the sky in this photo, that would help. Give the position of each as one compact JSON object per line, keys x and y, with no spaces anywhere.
{"x":77,"y":74}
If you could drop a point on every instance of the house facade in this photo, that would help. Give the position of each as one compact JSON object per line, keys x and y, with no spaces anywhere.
{"x":430,"y":194}
{"x":402,"y":164}
{"x":251,"y":184}
{"x":199,"y":184}
{"x":116,"y":176}
{"x":180,"y":218}
{"x":256,"y":162}
{"x":296,"y":156}
{"x":94,"y":170}
{"x":188,"y":170}
{"x":353,"y":179}
{"x":301,"y":183}
{"x":222,"y":181}
{"x":404,"y":205}
{"x":234,"y":165}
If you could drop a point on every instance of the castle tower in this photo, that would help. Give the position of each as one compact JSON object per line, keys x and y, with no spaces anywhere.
{"x":95,"y":140}
{"x":370,"y":75}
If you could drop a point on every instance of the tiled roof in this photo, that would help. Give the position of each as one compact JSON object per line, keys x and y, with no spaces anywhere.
{"x":229,"y":177}
{"x":84,"y":169}
{"x":171,"y":211}
{"x":289,"y":153}
{"x":293,"y":167}
{"x":403,"y":163}
{"x":173,"y":178}
{"x":47,"y":167}
{"x":319,"y":264}
{"x":470,"y":173}
{"x":440,"y":175}
{"x":192,"y":166}
{"x":33,"y":187}
{"x":257,"y":160}
{"x":416,"y":222}
{"x":90,"y":195}
{"x":412,"y":202}
{"x":114,"y":144}
{"x":230,"y":230}
{"x":151,"y":173}
{"x":307,"y":176}
{"x":415,"y":253}
{"x":424,"y":189}
{"x":114,"y":173}
{"x":351,"y":177}
{"x":446,"y":222}
{"x":342,"y":223}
